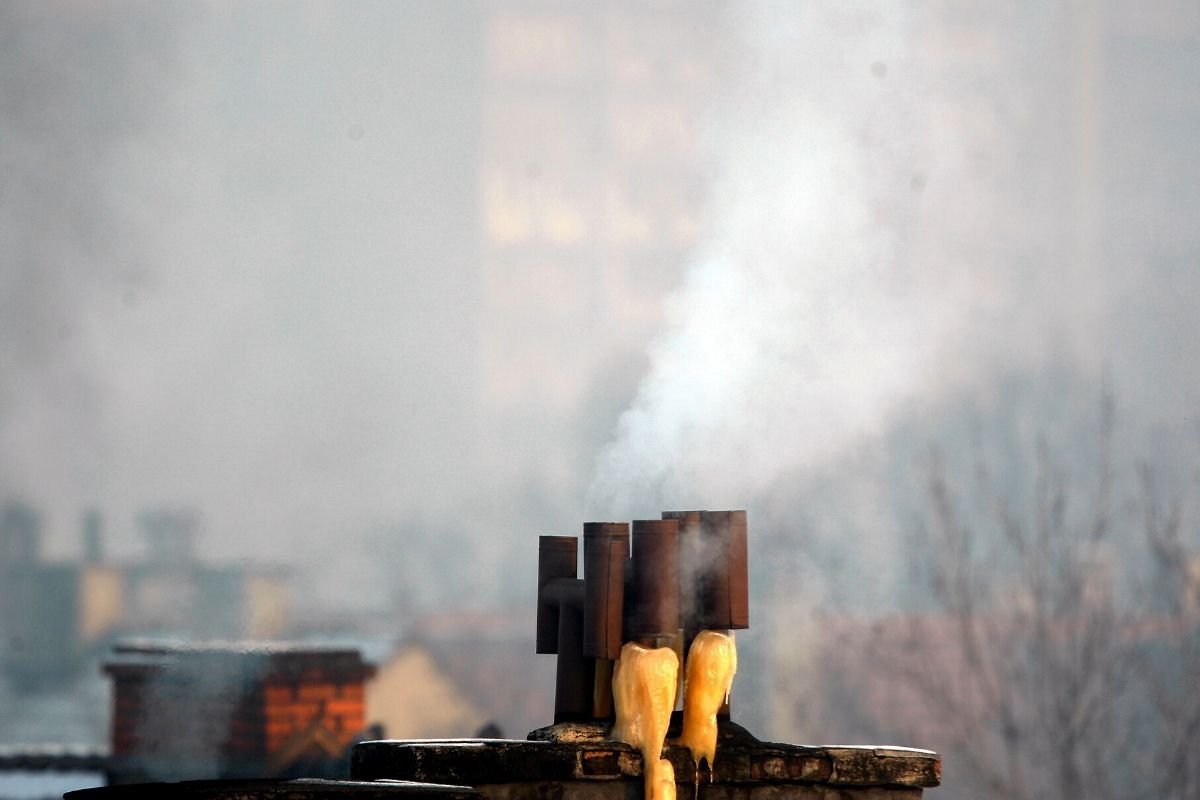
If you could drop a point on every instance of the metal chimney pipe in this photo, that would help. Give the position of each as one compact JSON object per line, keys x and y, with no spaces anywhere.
{"x":560,"y":626}
{"x":691,"y":560}
{"x":724,"y":578}
{"x":557,"y":556}
{"x":575,"y":676}
{"x":654,"y":588}
{"x":605,"y":556}
{"x":739,"y":570}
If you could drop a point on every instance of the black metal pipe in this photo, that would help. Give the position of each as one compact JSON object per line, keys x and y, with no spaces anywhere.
{"x":575,"y":676}
{"x":557,"y":556}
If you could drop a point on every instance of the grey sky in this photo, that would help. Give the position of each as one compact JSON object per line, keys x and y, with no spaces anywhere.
{"x":240,"y":269}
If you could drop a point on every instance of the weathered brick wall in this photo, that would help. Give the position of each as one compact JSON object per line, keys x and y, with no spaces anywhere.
{"x":633,"y":790}
{"x":594,"y":769}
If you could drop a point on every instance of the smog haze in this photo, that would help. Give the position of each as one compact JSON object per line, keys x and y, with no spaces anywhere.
{"x":384,"y":291}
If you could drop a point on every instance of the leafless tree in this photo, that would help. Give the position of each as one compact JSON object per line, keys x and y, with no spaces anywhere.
{"x":1045,"y":668}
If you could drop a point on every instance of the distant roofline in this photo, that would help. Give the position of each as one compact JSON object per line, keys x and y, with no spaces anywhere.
{"x":176,"y":646}
{"x":248,"y":657}
{"x":54,"y":758}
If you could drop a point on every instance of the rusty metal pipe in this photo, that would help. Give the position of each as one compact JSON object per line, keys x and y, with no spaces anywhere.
{"x":739,"y":570}
{"x":691,"y":560}
{"x":605,"y":558}
{"x":654,"y":584}
{"x":723,"y":579}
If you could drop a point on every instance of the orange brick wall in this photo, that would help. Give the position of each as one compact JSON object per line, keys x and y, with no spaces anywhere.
{"x":289,"y":707}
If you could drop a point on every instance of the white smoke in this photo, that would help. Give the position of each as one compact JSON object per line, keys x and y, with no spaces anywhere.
{"x":802,"y":324}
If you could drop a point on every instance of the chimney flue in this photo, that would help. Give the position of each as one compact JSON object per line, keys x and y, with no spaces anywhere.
{"x":654,"y":585}
{"x":681,"y":574}
{"x":723,"y":579}
{"x":557,"y":556}
{"x":605,"y":559}
{"x":560,"y":626}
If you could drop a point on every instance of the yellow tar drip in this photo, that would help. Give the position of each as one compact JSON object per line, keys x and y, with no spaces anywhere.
{"x":662,"y":781}
{"x":711,"y":662}
{"x":643,"y":695}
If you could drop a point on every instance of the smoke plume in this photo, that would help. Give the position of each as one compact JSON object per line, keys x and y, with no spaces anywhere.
{"x":802,"y":325}
{"x":893,"y":232}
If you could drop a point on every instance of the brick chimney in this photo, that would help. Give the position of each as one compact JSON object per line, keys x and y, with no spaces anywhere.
{"x":188,"y":711}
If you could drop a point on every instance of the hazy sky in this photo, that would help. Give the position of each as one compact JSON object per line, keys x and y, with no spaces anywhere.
{"x":239,"y":269}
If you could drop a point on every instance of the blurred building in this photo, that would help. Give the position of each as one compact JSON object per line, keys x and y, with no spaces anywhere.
{"x":591,"y":189}
{"x":488,"y":655}
{"x":1072,"y":124}
{"x":413,"y":697}
{"x":55,"y":617}
{"x":172,"y":591}
{"x":458,"y":672}
{"x":39,"y":604}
